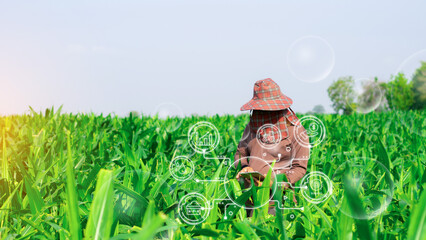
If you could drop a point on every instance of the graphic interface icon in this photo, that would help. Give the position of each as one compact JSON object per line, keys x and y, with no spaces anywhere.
{"x":181,"y":168}
{"x":314,"y":134}
{"x":317,"y":187}
{"x":193,"y":208}
{"x":203,"y":137}
{"x":268,"y":136}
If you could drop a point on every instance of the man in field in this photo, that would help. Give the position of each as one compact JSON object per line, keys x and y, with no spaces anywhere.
{"x":270,"y":136}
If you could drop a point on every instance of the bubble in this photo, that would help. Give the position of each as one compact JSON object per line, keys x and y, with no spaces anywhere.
{"x":310,"y":59}
{"x":415,"y":121}
{"x":234,"y":193}
{"x":170,"y":115}
{"x":367,"y":96}
{"x":372,"y":183}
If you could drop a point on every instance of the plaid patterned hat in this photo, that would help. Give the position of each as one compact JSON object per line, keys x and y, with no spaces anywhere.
{"x":267,"y":96}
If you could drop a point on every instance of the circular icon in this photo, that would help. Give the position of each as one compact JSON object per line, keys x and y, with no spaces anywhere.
{"x":268,"y":136}
{"x":314,"y":134}
{"x":371,"y":182}
{"x":316,"y":188}
{"x":170,"y":112}
{"x":203,"y":137}
{"x":409,"y":69}
{"x":181,"y":168}
{"x":292,"y":216}
{"x":236,"y":190}
{"x":367,"y":95}
{"x":310,"y":59}
{"x":193,"y":208}
{"x":316,"y":185}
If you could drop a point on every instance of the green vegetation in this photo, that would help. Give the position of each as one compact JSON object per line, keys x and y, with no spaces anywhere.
{"x":342,"y":95}
{"x":66,"y":176}
{"x":399,"y":93}
{"x":419,"y":87}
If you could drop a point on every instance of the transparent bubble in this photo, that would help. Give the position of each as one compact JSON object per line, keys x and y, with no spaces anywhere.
{"x":370,"y":180}
{"x":414,"y":121}
{"x":310,"y":59}
{"x":244,"y":183}
{"x":368,"y":95}
{"x":170,"y":115}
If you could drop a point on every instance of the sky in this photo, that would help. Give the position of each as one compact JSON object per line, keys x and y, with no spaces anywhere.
{"x":196,"y":57}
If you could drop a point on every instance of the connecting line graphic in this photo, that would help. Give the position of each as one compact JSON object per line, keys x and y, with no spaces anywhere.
{"x":284,"y":208}
{"x":218,"y":158}
{"x":276,"y":201}
{"x":218,"y":200}
{"x":292,"y":186}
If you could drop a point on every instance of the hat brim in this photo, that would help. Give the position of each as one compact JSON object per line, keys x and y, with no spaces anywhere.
{"x":271,"y":105}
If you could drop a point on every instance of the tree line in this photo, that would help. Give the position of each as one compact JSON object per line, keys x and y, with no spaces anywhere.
{"x":400,"y":93}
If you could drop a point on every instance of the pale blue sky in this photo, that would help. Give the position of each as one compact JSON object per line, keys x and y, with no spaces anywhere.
{"x":204,"y":56}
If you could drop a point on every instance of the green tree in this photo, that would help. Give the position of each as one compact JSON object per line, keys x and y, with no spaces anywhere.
{"x":419,"y":87}
{"x":342,"y":94}
{"x":399,"y":94}
{"x":318,"y":109}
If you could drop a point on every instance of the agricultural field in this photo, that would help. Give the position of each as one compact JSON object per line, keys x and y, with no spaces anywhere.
{"x":86,"y":176}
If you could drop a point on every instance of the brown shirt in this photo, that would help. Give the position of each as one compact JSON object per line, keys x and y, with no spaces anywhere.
{"x":291,"y":157}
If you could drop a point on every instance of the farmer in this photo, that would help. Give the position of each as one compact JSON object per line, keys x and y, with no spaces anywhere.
{"x":270,"y":135}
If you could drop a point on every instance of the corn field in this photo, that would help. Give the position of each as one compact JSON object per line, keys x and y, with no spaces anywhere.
{"x":87,"y":176}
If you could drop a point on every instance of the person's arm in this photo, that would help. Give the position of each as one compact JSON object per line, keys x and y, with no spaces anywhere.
{"x":242,"y":149}
{"x":300,"y":161}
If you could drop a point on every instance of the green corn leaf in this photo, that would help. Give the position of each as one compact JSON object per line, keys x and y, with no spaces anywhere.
{"x":382,"y":154}
{"x":246,"y":230}
{"x":149,"y":213}
{"x":417,"y":228}
{"x":34,"y":197}
{"x":131,"y":193}
{"x":149,"y":230}
{"x":354,"y":202}
{"x":344,"y":223}
{"x":72,"y":200}
{"x":205,"y":232}
{"x":101,"y":210}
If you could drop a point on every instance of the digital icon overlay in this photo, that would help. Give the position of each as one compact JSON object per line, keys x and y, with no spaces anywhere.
{"x":203,"y":137}
{"x":181,"y":168}
{"x":314,"y":134}
{"x":268,"y":136}
{"x":318,"y":187}
{"x":193,"y":208}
